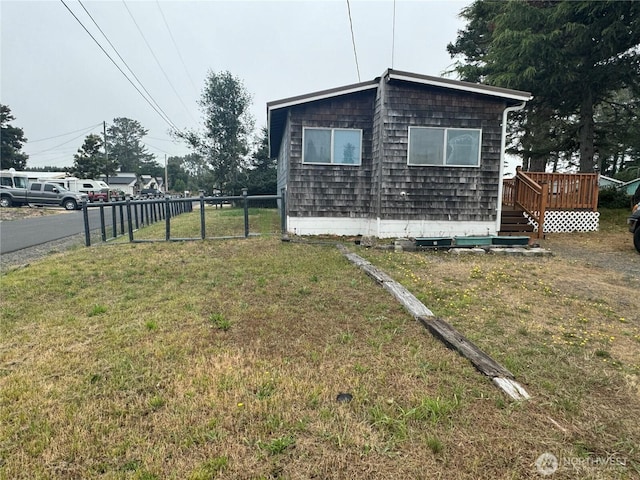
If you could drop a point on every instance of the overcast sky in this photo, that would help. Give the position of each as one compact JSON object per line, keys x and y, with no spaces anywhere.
{"x":56,"y":80}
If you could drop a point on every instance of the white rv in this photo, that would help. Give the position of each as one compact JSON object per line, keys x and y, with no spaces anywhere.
{"x":96,"y":189}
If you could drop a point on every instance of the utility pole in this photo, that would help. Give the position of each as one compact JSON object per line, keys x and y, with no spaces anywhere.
{"x":106,"y":153}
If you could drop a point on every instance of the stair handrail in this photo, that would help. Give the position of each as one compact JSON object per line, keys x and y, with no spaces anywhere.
{"x":532,"y":197}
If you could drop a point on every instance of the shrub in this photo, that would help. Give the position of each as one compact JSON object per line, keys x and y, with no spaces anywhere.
{"x":611,"y":197}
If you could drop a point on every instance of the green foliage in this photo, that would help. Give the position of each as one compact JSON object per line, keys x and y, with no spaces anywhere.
{"x":219,"y":321}
{"x":90,"y":161}
{"x":210,"y":469}
{"x":11,"y":140}
{"x":225,"y":105}
{"x":573,"y":56}
{"x":613,"y":198}
{"x":277,"y":445}
{"x":126,"y":149}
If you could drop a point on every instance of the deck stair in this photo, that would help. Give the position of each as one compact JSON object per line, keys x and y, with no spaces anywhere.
{"x":513,"y":222}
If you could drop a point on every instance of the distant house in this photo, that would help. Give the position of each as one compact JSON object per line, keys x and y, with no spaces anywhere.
{"x":403,"y":155}
{"x":127,"y":182}
{"x":631,"y":187}
{"x":608,"y":182}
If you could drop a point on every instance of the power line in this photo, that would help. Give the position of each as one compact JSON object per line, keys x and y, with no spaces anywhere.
{"x":186,"y":70}
{"x":158,"y":62}
{"x":164,"y":117}
{"x":124,"y":62}
{"x":64,"y":143}
{"x":64,"y":134}
{"x":353,"y":40}
{"x":393,"y":33}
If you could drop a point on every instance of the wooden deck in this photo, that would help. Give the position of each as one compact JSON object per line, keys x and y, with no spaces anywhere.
{"x":539,"y":192}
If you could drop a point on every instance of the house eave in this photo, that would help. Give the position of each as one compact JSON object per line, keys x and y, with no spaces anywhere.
{"x":500,"y":92}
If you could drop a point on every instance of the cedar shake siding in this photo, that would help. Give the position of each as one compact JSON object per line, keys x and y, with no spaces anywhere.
{"x":385,"y":195}
{"x":330,"y":190}
{"x":438,"y":192}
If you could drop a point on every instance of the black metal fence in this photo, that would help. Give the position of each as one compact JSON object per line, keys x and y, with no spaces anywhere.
{"x":116,"y":219}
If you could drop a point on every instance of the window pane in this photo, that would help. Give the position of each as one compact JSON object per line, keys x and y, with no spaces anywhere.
{"x":463,"y":147}
{"x":426,"y":146}
{"x":317,"y":145}
{"x":48,"y":187}
{"x":346,"y":147}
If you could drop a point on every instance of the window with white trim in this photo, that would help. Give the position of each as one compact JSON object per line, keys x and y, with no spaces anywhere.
{"x":451,"y":147}
{"x":340,"y":146}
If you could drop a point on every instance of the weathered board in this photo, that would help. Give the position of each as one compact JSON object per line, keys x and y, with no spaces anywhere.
{"x":442,"y":330}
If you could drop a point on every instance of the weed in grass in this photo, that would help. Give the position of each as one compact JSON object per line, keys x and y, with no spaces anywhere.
{"x":602,"y":354}
{"x":157,"y":402}
{"x":266,"y":389}
{"x":210,"y":468}
{"x":314,"y":278}
{"x":345,"y":338}
{"x":435,"y":445}
{"x":277,"y":445}
{"x":151,"y":325}
{"x":219,"y":321}
{"x":97,"y":310}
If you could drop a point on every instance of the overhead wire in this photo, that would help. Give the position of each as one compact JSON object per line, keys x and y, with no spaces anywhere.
{"x":173,"y":40}
{"x":158,"y":62}
{"x":65,"y":134}
{"x":162,"y":115}
{"x":393,"y":34}
{"x":64,"y":143}
{"x":124,"y":62}
{"x":353,"y":40}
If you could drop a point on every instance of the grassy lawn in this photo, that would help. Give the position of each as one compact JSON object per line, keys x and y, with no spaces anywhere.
{"x":224,"y":359}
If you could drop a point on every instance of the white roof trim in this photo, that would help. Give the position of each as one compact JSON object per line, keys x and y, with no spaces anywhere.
{"x":289,"y":102}
{"x":457,"y":85}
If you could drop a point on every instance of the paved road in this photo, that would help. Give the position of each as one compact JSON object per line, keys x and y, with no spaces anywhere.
{"x":18,"y":234}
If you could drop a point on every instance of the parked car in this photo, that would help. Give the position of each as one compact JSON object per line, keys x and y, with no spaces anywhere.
{"x":150,"y":193}
{"x":634,"y":226}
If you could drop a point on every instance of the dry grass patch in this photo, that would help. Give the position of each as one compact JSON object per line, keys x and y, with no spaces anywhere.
{"x":224,"y":360}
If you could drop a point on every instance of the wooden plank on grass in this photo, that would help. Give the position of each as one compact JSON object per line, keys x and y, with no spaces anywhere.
{"x":455,"y":340}
{"x":440,"y":329}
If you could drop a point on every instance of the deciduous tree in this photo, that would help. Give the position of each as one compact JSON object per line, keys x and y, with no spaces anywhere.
{"x":228,"y":124}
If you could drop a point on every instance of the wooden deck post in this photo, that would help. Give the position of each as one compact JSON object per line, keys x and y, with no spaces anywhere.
{"x":543,"y":208}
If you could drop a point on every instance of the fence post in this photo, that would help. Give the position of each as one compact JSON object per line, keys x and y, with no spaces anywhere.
{"x":202,"y":228}
{"x":129,"y":223}
{"x":121,"y":219}
{"x":135,"y":214}
{"x":245,"y":194}
{"x":114,"y":220}
{"x":103,"y":227}
{"x":87,"y":233}
{"x":167,"y":209}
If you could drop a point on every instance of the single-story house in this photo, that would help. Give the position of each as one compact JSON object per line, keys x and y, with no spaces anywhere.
{"x":127,"y":182}
{"x":148,"y":181}
{"x":403,"y":155}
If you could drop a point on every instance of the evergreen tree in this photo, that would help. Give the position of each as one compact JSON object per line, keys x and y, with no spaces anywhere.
{"x":570,"y":55}
{"x":126,"y":148}
{"x":11,"y":141}
{"x":89,"y":162}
